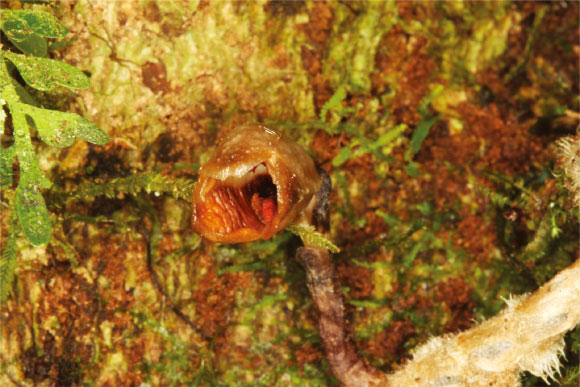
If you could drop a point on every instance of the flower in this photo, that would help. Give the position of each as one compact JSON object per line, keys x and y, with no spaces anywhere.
{"x":257,"y":182}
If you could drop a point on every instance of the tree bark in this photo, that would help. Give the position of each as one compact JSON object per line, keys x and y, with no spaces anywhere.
{"x":525,"y":336}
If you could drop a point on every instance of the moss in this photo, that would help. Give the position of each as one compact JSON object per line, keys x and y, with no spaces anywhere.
{"x":432,"y":233}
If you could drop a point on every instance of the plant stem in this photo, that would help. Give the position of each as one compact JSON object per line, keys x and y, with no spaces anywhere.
{"x":347,"y":366}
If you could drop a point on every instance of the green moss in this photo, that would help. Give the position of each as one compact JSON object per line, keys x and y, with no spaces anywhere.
{"x":412,"y":210}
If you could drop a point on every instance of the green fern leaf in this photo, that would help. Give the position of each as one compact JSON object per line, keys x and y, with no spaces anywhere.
{"x":6,"y":160}
{"x":32,"y":45}
{"x":60,"y":129}
{"x":44,"y":74}
{"x":427,"y":121}
{"x":18,"y":24}
{"x":32,"y":213}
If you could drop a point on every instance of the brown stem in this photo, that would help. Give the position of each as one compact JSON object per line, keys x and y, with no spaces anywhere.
{"x":347,"y":366}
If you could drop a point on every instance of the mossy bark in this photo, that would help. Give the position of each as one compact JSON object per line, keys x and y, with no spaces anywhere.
{"x":430,"y":240}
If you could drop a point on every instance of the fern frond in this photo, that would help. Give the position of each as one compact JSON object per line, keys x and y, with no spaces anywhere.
{"x":498,"y":199}
{"x":149,"y":182}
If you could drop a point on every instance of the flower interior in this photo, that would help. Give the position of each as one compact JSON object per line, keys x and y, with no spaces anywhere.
{"x":249,"y":201}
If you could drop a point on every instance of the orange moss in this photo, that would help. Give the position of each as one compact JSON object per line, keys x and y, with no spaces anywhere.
{"x":419,"y":300}
{"x":416,"y":12}
{"x":455,"y":294}
{"x":80,"y":306}
{"x":414,"y":69}
{"x":214,"y":296}
{"x":308,"y":353}
{"x":318,"y":28}
{"x":357,"y":278}
{"x":476,"y":236}
{"x":317,"y":32}
{"x":487,"y":141}
{"x":326,"y":147}
{"x":389,"y":342}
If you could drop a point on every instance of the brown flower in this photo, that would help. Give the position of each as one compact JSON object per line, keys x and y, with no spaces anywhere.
{"x":256,"y":183}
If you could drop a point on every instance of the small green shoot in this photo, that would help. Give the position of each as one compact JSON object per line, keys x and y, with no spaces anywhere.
{"x":311,"y":237}
{"x":361,"y":145}
{"x":334,"y":101}
{"x":427,"y":121}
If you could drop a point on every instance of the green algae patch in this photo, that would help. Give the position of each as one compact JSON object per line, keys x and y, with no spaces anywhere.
{"x":354,"y":44}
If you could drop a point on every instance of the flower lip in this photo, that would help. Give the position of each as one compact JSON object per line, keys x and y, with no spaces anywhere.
{"x":238,"y":208}
{"x":255,"y":184}
{"x":236,"y":196}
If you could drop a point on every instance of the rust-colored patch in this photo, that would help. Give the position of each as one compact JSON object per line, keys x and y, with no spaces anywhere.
{"x":318,"y":29}
{"x":308,"y":353}
{"x":151,"y":12}
{"x":415,"y":77}
{"x":417,"y":300}
{"x":282,"y":58}
{"x":203,"y":4}
{"x":357,"y":278}
{"x":413,"y":66}
{"x":76,"y":306}
{"x":475,"y":235}
{"x":322,"y":90}
{"x":455,"y":294}
{"x":284,"y":8}
{"x":317,"y":32}
{"x":488,"y":141}
{"x":167,"y":148}
{"x":411,"y":11}
{"x":310,"y":61}
{"x":389,"y":342}
{"x":326,"y":147}
{"x":508,"y":147}
{"x":155,"y":77}
{"x":214,"y":296}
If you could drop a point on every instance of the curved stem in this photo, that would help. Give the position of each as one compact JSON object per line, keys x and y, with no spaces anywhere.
{"x":347,"y":366}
